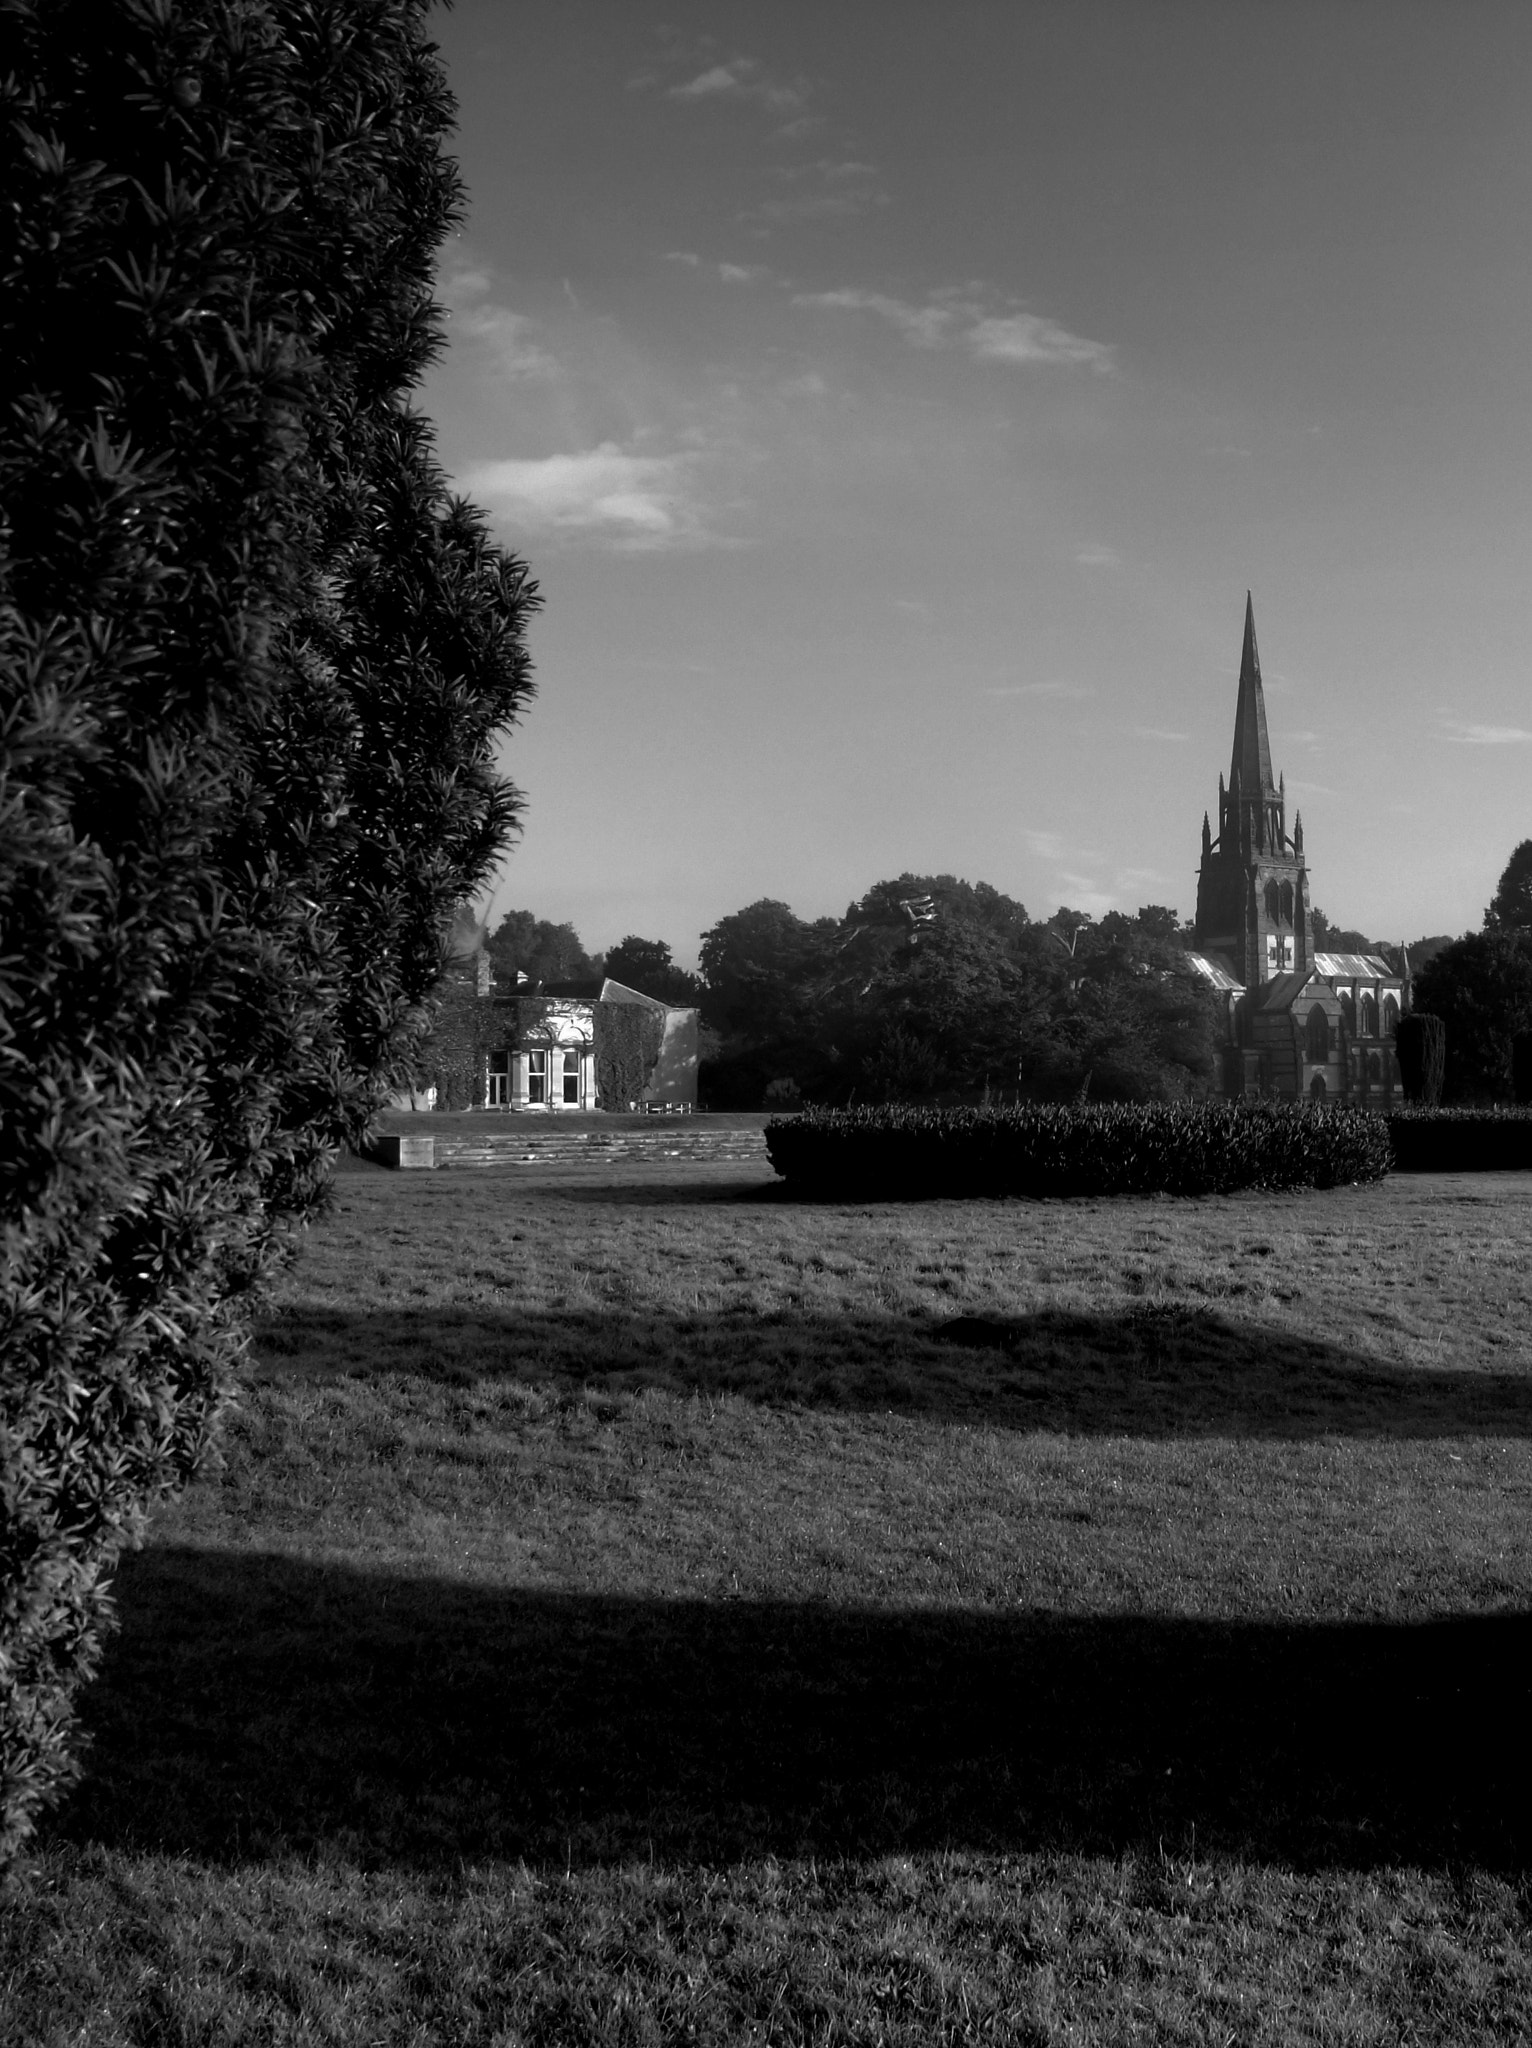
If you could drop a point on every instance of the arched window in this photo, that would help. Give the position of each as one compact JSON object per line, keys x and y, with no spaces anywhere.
{"x":1375,"y":1066}
{"x":1369,"y":1016}
{"x":1348,"y":1010}
{"x":1390,"y":1016}
{"x":1317,"y":1088}
{"x":1273,"y":902}
{"x":1318,"y":1035}
{"x":1287,"y":902}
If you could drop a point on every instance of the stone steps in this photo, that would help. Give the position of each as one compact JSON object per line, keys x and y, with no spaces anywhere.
{"x":667,"y":1143}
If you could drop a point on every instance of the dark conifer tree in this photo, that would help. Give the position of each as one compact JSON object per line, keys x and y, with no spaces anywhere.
{"x":254,"y":662}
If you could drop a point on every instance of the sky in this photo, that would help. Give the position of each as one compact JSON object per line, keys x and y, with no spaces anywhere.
{"x":895,"y":402}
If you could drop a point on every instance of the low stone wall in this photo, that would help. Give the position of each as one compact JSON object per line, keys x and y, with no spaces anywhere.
{"x":567,"y":1140}
{"x":678,"y":1140}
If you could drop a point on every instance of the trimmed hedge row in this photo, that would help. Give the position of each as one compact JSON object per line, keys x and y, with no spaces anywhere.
{"x":1461,"y":1140}
{"x":1036,"y":1149}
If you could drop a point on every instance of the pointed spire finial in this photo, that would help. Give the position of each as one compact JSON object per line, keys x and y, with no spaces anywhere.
{"x":1252,"y":749}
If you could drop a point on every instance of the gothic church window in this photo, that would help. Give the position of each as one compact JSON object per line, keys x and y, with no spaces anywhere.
{"x":1287,"y":902}
{"x":1273,"y":910}
{"x":1318,"y":1034}
{"x":1390,"y":1016}
{"x":1348,"y":1010}
{"x":1369,"y":1016}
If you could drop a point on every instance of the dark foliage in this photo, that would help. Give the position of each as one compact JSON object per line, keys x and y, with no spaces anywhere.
{"x":645,"y":964}
{"x":1331,"y":938}
{"x":935,"y":988}
{"x":1461,"y":1140}
{"x":253,"y":664}
{"x":544,"y":952}
{"x":1521,"y":1066}
{"x":1040,"y":1149}
{"x":760,"y":968}
{"x":1510,"y":909}
{"x":627,"y":1051}
{"x":1420,"y":1046}
{"x":1481,"y":988}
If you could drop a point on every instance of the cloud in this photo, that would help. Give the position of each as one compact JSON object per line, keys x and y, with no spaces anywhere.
{"x":630,"y":501}
{"x":1096,"y":557}
{"x":1486,"y":735}
{"x":1056,"y":687}
{"x":1027,"y":338}
{"x":956,"y":314}
{"x":926,"y":326}
{"x":746,"y":78}
{"x":476,"y":316}
{"x":1155,"y":732}
{"x":743,"y":273}
{"x":1085,"y":893}
{"x":1046,"y":845}
{"x":828,"y":189}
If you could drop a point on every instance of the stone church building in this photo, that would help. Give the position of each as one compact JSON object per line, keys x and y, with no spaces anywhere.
{"x":1298,"y":1023}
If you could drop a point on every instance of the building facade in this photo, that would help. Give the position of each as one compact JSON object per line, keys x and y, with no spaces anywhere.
{"x":1298,"y":1023}
{"x":551,"y":1050}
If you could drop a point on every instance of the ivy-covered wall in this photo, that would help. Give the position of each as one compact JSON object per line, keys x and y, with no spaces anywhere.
{"x":628,"y":1041}
{"x":466,"y":1019}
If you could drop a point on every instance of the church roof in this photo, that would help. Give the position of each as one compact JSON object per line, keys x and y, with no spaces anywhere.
{"x":1251,"y":765}
{"x":1217,"y":968}
{"x":1283,"y":990}
{"x":1354,"y":967}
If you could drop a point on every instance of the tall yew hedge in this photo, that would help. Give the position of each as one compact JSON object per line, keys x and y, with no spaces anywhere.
{"x":254,"y":662}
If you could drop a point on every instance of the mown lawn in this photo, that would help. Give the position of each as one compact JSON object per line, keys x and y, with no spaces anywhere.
{"x":627,"y":1614}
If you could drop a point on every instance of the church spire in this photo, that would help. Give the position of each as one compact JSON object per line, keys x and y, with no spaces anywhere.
{"x":1252,"y":749}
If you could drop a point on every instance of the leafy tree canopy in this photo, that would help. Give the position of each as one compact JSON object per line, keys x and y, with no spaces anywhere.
{"x":646,"y":965}
{"x":522,"y":943}
{"x":1510,"y":908}
{"x":1481,"y":988}
{"x":256,"y":662}
{"x":930,"y":985}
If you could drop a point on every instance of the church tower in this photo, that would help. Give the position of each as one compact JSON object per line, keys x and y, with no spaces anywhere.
{"x":1253,"y":885}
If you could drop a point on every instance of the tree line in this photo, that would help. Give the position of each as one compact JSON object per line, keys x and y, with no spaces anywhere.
{"x":930,"y":988}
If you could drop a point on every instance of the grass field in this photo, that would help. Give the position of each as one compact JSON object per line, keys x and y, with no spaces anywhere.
{"x":631,"y":1612}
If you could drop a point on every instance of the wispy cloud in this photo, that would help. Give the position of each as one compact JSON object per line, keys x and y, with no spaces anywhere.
{"x":476,"y":316}
{"x":926,"y":326}
{"x":956,"y":316}
{"x":1028,"y":338}
{"x":1096,"y":557}
{"x":1486,"y":735}
{"x":746,"y":78}
{"x":1156,"y":732}
{"x":630,"y":501}
{"x":1055,"y":687}
{"x":831,"y":188}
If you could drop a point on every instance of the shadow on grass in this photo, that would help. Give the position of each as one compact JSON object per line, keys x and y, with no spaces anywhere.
{"x":255,"y":1705}
{"x":1151,"y":1371}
